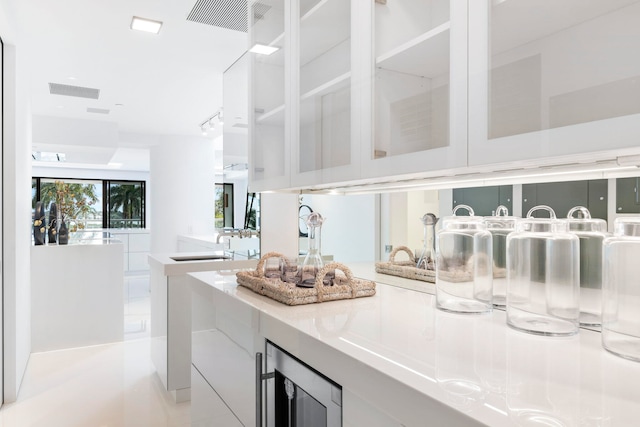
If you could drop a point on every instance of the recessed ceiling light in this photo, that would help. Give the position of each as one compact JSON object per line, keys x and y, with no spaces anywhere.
{"x":71,"y":78}
{"x":262,"y":49}
{"x":143,"y":24}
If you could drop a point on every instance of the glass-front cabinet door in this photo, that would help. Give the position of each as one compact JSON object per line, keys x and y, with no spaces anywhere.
{"x":552,"y":78}
{"x":326,"y":148}
{"x":269,"y":153}
{"x":417,"y":71}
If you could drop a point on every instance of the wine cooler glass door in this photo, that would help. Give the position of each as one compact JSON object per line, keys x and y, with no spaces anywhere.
{"x":299,"y":396}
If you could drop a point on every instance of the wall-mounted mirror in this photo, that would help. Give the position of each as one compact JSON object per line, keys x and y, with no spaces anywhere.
{"x":241,"y":234}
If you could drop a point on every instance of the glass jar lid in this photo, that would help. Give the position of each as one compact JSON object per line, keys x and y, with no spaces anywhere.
{"x":470,"y":222}
{"x":541,"y":225}
{"x":501,"y":220}
{"x":584,"y":222}
{"x":627,"y":226}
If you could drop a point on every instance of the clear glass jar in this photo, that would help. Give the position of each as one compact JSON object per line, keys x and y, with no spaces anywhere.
{"x":621,"y":289}
{"x":591,"y":232}
{"x":464,"y":278}
{"x":500,"y":225}
{"x":543,"y":276}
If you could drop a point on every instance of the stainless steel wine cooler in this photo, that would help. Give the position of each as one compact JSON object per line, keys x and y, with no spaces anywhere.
{"x":295,"y":395}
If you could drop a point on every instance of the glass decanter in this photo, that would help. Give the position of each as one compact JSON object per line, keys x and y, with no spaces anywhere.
{"x":427,"y":258}
{"x":313,"y":261}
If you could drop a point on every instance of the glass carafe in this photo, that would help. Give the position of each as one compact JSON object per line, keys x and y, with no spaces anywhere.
{"x":591,"y":232}
{"x":313,"y":261}
{"x":543,"y":276}
{"x":621,"y":290}
{"x":500,"y":225}
{"x":464,"y":278}
{"x":428,"y":257}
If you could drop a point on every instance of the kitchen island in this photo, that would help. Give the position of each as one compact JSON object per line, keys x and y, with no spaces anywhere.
{"x":77,"y":293}
{"x":171,"y":312}
{"x":400,"y":361}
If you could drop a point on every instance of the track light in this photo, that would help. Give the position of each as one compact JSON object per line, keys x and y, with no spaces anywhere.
{"x":210,"y":122}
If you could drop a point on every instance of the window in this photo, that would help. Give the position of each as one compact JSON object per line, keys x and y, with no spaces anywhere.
{"x":126,"y":204}
{"x":79,"y":201}
{"x":252,"y":212}
{"x":224,"y":205}
{"x":91,"y":204}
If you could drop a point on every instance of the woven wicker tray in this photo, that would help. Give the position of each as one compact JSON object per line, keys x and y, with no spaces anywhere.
{"x":406,"y":269}
{"x":345,"y":285}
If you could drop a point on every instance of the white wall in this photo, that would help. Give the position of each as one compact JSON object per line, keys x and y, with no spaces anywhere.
{"x":16,"y":195}
{"x":418,"y":204}
{"x":351,"y":229}
{"x":279,"y":228}
{"x":395,"y":205}
{"x":183,"y":175}
{"x":404,"y":211}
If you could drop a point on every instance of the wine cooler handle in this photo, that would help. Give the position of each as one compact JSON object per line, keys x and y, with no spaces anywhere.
{"x":258,"y":389}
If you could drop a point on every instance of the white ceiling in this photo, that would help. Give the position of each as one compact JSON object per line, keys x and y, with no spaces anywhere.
{"x":167,"y":83}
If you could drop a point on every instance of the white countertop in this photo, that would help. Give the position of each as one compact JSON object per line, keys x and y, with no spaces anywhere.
{"x":171,"y":267}
{"x":473,"y":364}
{"x":201,"y":238}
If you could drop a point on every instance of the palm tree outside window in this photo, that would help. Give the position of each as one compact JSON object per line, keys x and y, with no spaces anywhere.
{"x":126,"y":204}
{"x":90,"y":204}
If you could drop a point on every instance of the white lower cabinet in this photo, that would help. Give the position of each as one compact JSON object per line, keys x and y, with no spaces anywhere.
{"x":224,"y":342}
{"x":227,"y":333}
{"x":137,"y":245}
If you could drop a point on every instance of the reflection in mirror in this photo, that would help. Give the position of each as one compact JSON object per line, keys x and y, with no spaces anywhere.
{"x":242,"y":237}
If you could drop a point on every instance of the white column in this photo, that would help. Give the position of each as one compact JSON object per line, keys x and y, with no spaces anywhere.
{"x":16,"y":227}
{"x":182,"y":194}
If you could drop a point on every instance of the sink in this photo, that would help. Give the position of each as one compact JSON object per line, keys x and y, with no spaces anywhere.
{"x":199,"y":257}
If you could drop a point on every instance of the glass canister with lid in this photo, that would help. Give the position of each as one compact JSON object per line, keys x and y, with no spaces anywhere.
{"x":464,"y":277}
{"x":543,"y":276}
{"x":591,"y":232}
{"x":500,"y":225}
{"x":621,"y":289}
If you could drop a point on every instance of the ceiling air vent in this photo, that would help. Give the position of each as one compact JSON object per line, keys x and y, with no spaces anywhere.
{"x":97,"y":110}
{"x":78,"y":91}
{"x":229,"y":14}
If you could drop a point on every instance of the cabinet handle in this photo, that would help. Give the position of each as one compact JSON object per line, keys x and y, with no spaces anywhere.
{"x":259,"y":378}
{"x":258,"y":389}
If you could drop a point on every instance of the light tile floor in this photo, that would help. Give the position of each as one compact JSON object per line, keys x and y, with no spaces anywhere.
{"x":111,"y":385}
{"x":137,"y":311}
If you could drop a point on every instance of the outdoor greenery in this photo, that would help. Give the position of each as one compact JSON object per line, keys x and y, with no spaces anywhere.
{"x":83,"y":204}
{"x":219,"y":206}
{"x":125,"y":205}
{"x":75,"y":201}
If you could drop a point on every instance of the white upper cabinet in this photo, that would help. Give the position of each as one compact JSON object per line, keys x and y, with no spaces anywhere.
{"x":416,"y":119}
{"x":552,"y":79}
{"x":269,"y":124}
{"x":367,"y":91}
{"x":325,"y":147}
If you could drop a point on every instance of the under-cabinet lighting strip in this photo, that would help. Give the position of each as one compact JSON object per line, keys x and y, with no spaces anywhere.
{"x":482,"y":180}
